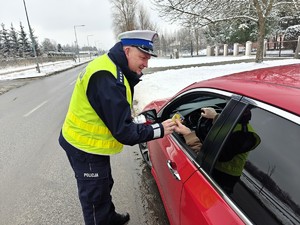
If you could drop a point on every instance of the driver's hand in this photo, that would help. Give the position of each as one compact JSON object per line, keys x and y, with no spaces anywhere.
{"x":208,"y":112}
{"x":180,"y":128}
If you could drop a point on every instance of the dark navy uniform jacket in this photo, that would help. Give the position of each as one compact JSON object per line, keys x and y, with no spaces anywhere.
{"x":108,"y":98}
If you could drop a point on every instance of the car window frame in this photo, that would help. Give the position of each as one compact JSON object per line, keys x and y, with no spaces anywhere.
{"x":182,"y":98}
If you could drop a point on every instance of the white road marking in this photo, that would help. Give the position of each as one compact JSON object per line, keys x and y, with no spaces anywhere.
{"x":72,"y":82}
{"x":36,"y":108}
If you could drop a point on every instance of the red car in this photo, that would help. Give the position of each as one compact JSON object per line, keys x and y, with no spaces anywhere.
{"x":247,"y":170}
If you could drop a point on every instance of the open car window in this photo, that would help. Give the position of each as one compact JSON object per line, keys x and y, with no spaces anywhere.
{"x":189,"y":107}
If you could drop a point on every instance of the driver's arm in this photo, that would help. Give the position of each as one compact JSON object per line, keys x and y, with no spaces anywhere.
{"x":190,"y":137}
{"x":208,"y":112}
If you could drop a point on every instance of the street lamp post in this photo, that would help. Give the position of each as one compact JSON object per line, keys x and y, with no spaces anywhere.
{"x":77,"y":47}
{"x":32,"y":40}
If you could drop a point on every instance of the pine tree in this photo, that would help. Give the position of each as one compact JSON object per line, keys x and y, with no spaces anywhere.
{"x":14,"y":41}
{"x":5,"y":49}
{"x":37,"y":47}
{"x":25,"y":49}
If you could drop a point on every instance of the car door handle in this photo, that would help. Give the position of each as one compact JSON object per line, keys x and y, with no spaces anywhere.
{"x":172,"y":168}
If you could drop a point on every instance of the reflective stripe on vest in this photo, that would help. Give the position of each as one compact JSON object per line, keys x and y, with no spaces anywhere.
{"x":82,"y":127}
{"x":236,"y":165}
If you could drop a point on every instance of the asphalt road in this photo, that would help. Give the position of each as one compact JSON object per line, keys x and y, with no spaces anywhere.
{"x":37,"y":184}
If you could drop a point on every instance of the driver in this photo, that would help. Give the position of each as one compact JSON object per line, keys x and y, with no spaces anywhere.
{"x":231,"y":162}
{"x":190,"y":137}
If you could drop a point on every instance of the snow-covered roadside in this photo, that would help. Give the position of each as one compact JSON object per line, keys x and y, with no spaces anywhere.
{"x":45,"y":69}
{"x":165,"y":83}
{"x":52,"y":67}
{"x":166,"y":62}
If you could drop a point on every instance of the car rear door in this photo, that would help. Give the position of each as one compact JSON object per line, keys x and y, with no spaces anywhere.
{"x":265,"y":192}
{"x":201,"y":203}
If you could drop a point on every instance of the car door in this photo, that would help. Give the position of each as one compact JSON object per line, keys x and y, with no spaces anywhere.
{"x":202,"y":200}
{"x":170,"y":168}
{"x":172,"y":163}
{"x":202,"y":203}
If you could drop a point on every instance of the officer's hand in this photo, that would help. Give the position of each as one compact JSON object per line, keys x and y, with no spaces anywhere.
{"x":209,"y":113}
{"x":169,"y":126}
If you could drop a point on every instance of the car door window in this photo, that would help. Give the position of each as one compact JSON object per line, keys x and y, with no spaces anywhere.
{"x":258,"y":167}
{"x":189,"y":107}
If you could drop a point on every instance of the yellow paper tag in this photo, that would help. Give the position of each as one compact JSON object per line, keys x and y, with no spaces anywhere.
{"x":177,"y":116}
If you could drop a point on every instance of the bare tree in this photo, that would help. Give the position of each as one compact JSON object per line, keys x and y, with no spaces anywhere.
{"x":143,"y":19}
{"x":48,"y":45}
{"x":206,"y":12}
{"x":124,"y":15}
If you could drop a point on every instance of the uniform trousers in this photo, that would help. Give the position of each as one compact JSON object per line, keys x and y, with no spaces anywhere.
{"x":94,"y":182}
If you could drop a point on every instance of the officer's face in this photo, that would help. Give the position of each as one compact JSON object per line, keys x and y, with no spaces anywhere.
{"x":137,"y":60}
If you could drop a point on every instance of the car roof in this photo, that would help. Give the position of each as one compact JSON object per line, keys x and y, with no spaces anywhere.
{"x":278,"y":86}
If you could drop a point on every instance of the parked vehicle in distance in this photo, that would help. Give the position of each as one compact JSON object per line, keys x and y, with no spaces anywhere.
{"x":247,"y":170}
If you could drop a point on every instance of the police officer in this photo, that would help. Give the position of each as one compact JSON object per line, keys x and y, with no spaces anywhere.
{"x":99,"y":122}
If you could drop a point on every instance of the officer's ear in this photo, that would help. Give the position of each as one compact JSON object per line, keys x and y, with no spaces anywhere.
{"x":126,"y":50}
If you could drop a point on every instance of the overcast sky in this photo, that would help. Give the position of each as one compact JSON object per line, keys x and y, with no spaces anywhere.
{"x":55,"y":19}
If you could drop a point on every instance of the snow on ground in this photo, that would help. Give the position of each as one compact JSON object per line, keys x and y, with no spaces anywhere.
{"x":164,"y":83}
{"x":165,"y":62}
{"x":167,"y":83}
{"x":11,"y":73}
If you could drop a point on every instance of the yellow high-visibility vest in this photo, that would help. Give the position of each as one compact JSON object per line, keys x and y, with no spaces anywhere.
{"x":236,"y":165}
{"x":83,"y":128}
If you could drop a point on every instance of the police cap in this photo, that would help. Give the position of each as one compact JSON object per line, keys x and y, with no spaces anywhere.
{"x":142,"y":39}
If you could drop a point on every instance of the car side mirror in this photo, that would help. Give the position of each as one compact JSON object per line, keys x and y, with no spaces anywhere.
{"x":150,"y":116}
